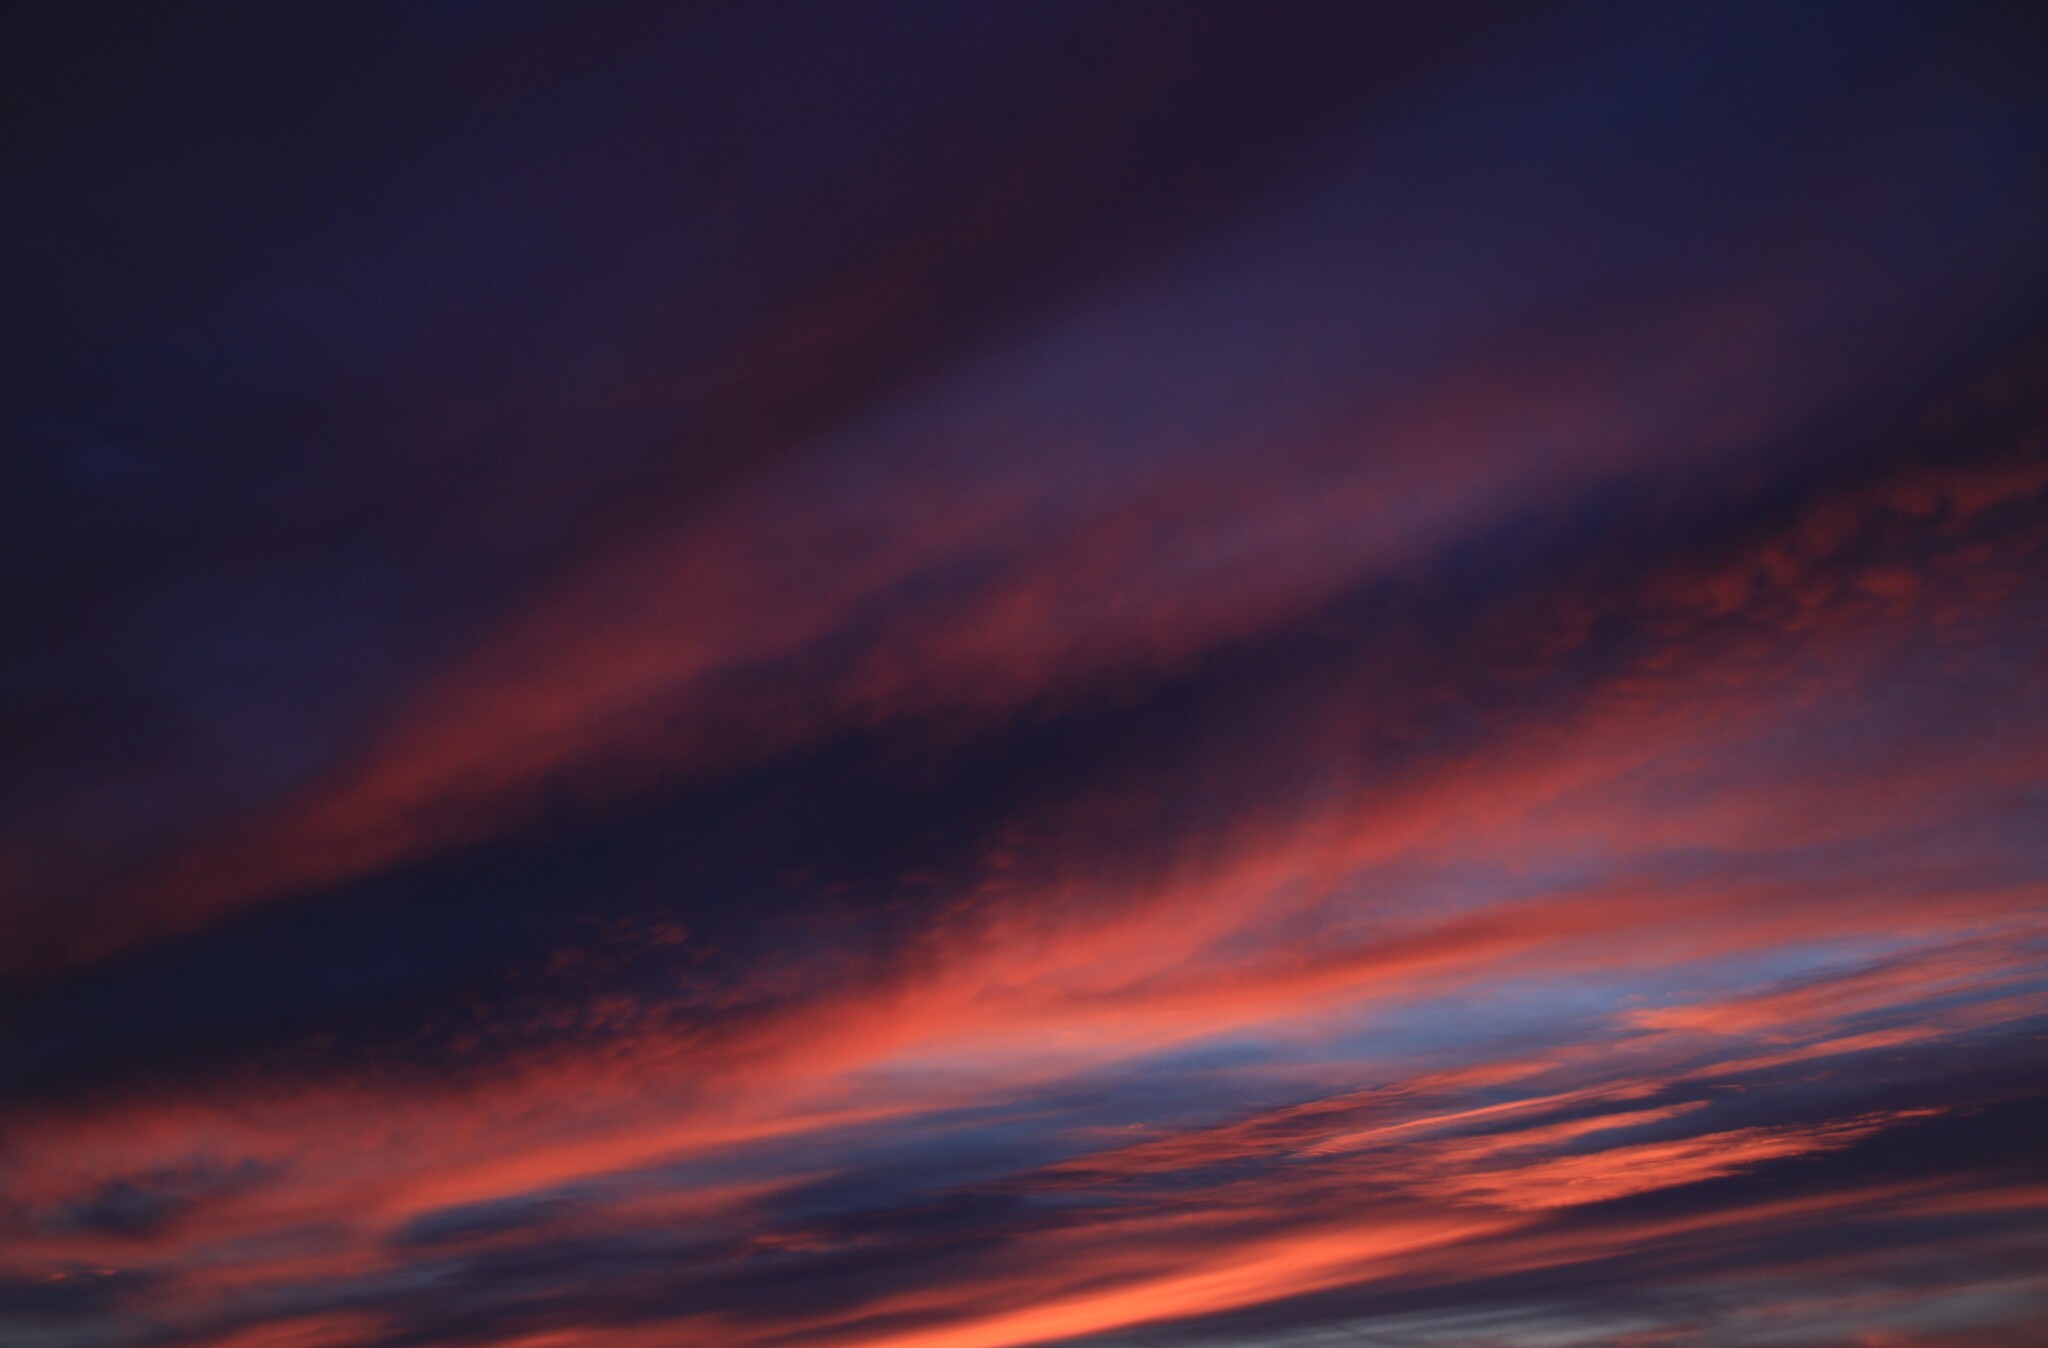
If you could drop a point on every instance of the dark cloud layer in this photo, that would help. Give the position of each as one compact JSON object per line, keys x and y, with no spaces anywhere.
{"x":964,"y":676}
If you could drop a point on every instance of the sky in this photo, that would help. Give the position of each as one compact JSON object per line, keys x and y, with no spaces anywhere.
{"x":1130,"y":674}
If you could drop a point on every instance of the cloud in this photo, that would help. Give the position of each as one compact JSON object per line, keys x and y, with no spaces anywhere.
{"x":964,"y":681}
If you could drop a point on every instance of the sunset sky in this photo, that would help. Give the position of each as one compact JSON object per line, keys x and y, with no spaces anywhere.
{"x":988,"y":673}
